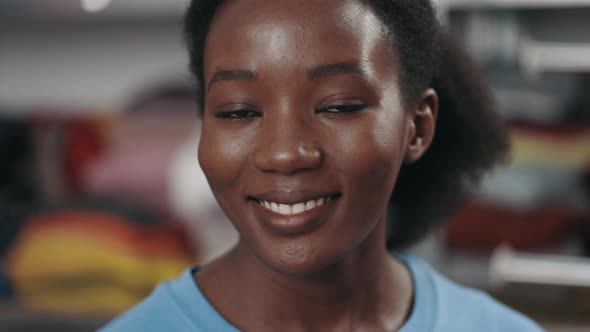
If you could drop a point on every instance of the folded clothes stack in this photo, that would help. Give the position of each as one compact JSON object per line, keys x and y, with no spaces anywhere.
{"x":538,"y":202}
{"x":85,"y":261}
{"x":551,"y":146}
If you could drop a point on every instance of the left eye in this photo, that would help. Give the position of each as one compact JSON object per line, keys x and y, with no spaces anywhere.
{"x":342,"y":108}
{"x":238,"y":114}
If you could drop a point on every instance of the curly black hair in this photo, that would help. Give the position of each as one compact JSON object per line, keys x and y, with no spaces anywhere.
{"x":470,"y":137}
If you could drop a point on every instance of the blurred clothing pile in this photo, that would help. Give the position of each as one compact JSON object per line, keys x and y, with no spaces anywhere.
{"x":84,"y":260}
{"x":69,"y":242}
{"x":539,"y":200}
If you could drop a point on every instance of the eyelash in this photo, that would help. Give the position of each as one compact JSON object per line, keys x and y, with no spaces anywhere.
{"x":249,"y":113}
{"x":342,"y":109}
{"x":238,"y":114}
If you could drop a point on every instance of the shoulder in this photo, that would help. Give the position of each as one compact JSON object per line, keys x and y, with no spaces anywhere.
{"x":157,"y":312}
{"x":458,"y":308}
{"x":469,"y":309}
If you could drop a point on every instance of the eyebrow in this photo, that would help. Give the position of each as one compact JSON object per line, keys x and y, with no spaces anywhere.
{"x":232,"y":75}
{"x":338,"y":68}
{"x":323,"y":70}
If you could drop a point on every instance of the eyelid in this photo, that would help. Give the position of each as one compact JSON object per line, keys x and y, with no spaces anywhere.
{"x":236,"y":106}
{"x":341,"y":99}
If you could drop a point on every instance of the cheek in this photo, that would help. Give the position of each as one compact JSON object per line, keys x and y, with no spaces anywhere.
{"x":222,"y":157}
{"x":370,"y":158}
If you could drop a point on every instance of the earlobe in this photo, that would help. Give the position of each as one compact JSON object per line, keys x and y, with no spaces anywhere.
{"x":422,"y":126}
{"x":414,"y":150}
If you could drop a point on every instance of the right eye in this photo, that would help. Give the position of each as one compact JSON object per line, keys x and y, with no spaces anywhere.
{"x":243,"y":113}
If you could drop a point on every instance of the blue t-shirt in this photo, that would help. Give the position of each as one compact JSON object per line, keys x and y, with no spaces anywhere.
{"x":440,"y":305}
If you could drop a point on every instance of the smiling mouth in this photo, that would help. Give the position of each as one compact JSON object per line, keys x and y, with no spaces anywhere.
{"x":297,"y":208}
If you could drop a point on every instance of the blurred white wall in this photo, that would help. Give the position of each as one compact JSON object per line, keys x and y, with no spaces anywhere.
{"x":97,"y":64}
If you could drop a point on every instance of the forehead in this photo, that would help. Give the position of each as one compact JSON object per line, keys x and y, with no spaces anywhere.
{"x":252,"y":33}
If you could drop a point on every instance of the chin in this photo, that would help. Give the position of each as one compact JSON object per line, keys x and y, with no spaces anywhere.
{"x":300,"y":259}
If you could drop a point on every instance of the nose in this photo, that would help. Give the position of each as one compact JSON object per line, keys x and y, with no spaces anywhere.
{"x":287,"y":147}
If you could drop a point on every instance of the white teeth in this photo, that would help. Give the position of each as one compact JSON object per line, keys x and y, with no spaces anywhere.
{"x":284,"y":209}
{"x":288,"y":210}
{"x":298,"y":208}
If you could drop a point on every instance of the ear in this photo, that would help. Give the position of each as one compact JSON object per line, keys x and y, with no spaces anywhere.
{"x":421,"y":126}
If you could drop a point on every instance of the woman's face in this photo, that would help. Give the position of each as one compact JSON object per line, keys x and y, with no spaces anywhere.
{"x":303,"y":130}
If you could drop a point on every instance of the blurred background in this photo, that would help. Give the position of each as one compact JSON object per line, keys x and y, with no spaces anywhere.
{"x":101,"y":196}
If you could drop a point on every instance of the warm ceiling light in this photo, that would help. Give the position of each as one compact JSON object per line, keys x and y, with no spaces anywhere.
{"x":94,"y":6}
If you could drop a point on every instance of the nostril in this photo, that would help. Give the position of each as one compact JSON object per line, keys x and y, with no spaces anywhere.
{"x":310,"y":150}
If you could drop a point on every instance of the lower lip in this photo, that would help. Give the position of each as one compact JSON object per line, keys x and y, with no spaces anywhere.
{"x":297,"y":223}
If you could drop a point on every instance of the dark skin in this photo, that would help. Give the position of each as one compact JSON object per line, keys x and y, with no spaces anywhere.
{"x":303,"y":103}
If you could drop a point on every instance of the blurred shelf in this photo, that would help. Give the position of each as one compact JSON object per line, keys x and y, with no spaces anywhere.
{"x":509,"y":266}
{"x":513,"y":4}
{"x":73,"y":11}
{"x":538,"y":57}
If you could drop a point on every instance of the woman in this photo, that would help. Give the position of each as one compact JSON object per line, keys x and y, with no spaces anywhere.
{"x":313,"y":111}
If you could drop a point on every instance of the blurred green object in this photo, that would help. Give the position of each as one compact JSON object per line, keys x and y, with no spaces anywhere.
{"x":3,"y":286}
{"x":11,"y":216}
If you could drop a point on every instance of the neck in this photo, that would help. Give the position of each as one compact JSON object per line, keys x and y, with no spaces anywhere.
{"x":366,"y":289}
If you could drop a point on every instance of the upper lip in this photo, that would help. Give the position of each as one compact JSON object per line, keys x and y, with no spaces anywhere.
{"x":292,"y":197}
